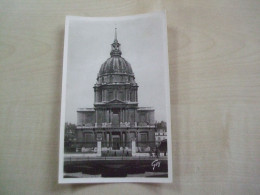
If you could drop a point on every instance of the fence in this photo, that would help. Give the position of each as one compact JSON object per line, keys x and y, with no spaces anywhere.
{"x":86,"y":147}
{"x":91,"y":147}
{"x":144,"y":147}
{"x":116,"y":145}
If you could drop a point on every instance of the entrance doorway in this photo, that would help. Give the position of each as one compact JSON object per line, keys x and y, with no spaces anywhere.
{"x":115,"y":142}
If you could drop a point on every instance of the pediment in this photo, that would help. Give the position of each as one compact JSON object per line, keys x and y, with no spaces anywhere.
{"x":116,"y":102}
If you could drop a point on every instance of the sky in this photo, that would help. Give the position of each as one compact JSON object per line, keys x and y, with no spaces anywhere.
{"x":143,"y":46}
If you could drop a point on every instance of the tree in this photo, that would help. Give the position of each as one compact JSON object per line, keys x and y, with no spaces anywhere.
{"x":69,"y":136}
{"x":161,"y":125}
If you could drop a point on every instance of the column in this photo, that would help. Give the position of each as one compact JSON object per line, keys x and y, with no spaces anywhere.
{"x":119,"y":116}
{"x":110,"y":139}
{"x":123,"y":115}
{"x":109,"y":116}
{"x":96,"y":112}
{"x":97,"y":94}
{"x":107,"y":139}
{"x":121,"y":136}
{"x":124,"y":138}
{"x":125,"y":98}
{"x":136,"y":116}
{"x":125,"y":119}
{"x":133,"y":147}
{"x":104,"y":116}
{"x":105,"y":95}
{"x":122,"y":119}
{"x":99,"y":147}
{"x":136,"y":95}
{"x":127,"y":138}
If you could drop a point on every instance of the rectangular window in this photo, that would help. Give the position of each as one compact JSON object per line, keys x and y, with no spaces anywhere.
{"x":120,"y":95}
{"x":89,"y":137}
{"x":132,"y":99}
{"x":144,"y":137}
{"x":110,"y":96}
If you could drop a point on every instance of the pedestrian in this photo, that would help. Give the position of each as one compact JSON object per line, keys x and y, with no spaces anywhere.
{"x":156,"y":151}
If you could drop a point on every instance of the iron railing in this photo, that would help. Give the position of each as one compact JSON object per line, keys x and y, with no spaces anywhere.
{"x":116,"y":145}
{"x":86,"y":147}
{"x":91,"y":147}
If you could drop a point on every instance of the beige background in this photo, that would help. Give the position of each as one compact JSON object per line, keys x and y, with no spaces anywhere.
{"x":215,"y":95}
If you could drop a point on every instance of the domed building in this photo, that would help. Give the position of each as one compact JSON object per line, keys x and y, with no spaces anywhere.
{"x":116,"y":118}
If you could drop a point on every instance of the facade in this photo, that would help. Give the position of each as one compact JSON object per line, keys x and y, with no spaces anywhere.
{"x":116,"y":118}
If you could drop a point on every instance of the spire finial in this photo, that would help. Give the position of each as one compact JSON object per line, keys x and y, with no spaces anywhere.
{"x":115,"y":34}
{"x":115,"y":50}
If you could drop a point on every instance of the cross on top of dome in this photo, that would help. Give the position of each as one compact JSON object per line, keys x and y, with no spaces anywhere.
{"x":115,"y":49}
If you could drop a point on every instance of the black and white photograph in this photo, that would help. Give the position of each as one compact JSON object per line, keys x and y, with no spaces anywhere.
{"x":115,"y":109}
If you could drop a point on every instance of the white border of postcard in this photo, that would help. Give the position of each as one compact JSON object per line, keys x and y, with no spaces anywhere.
{"x":63,"y":180}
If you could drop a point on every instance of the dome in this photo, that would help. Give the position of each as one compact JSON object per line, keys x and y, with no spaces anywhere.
{"x":115,"y":65}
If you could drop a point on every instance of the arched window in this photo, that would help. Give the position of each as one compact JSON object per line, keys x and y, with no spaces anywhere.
{"x":120,"y":95}
{"x":132,"y":94}
{"x":111,"y":95}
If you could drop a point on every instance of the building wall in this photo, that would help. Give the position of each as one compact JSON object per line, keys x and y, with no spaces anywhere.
{"x":86,"y":118}
{"x":145,"y":117}
{"x":108,"y":93}
{"x":99,"y":116}
{"x":115,"y":78}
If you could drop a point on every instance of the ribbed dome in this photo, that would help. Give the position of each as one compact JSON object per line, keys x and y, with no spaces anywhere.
{"x":115,"y":64}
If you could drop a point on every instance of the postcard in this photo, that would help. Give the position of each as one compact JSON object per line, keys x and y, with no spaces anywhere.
{"x":115,"y":123}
